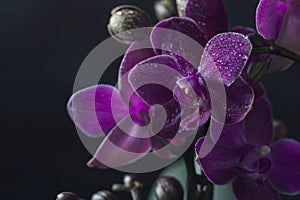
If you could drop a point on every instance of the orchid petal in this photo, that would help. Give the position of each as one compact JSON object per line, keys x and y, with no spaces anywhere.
{"x":288,"y":38}
{"x":249,"y":190}
{"x":210,"y":15}
{"x":228,"y":54}
{"x":239,"y":97}
{"x":220,"y":162}
{"x":121,"y":148}
{"x":284,"y":174}
{"x":269,"y":17}
{"x":135,"y":54}
{"x":91,"y":109}
{"x":154,"y":79}
{"x":184,"y":40}
{"x":259,"y":123}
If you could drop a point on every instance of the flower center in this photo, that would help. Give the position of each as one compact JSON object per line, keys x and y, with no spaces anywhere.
{"x":254,"y":164}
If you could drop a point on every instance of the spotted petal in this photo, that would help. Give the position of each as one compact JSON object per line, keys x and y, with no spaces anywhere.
{"x":91,"y":109}
{"x":224,"y":57}
{"x":210,"y":15}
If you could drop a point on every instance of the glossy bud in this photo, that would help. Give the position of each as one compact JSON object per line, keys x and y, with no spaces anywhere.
{"x":104,"y":195}
{"x":68,"y":196}
{"x":181,"y":5}
{"x":257,"y":69}
{"x":168,"y":188}
{"x":127,"y":17}
{"x":256,"y":40}
{"x":165,"y":9}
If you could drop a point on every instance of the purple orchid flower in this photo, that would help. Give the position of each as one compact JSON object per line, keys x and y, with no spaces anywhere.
{"x":246,"y":155}
{"x":223,"y":60}
{"x":279,"y":20}
{"x":120,"y":116}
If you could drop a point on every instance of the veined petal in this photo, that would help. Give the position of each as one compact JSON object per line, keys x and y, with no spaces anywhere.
{"x":226,"y":54}
{"x":269,"y":17}
{"x":180,"y":37}
{"x":135,"y":54}
{"x":210,"y":15}
{"x":121,"y":147}
{"x":249,"y":190}
{"x":91,"y":109}
{"x":284,"y":174}
{"x":259,"y":123}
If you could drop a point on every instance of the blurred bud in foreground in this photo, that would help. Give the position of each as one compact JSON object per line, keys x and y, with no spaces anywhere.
{"x":280,"y":129}
{"x":127,"y":17}
{"x":257,"y":69}
{"x":68,"y":196}
{"x":165,"y":9}
{"x":104,"y":195}
{"x":181,"y":4}
{"x":168,"y":188}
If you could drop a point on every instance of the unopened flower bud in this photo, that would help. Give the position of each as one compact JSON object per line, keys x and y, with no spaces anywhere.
{"x":123,"y":19}
{"x":68,"y":196}
{"x":129,"y":180}
{"x":256,"y":40}
{"x":181,"y":5}
{"x":168,"y":188}
{"x":104,"y":195}
{"x":165,"y":9}
{"x":257,"y":69}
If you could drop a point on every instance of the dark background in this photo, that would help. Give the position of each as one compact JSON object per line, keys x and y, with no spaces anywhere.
{"x":43,"y":43}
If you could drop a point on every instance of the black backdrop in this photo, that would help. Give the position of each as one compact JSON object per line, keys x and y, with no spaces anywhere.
{"x":42,"y":46}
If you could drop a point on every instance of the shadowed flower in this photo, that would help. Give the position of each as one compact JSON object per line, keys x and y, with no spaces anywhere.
{"x":246,"y":155}
{"x":280,"y":20}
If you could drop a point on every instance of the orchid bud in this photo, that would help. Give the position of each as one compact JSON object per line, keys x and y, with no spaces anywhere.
{"x":104,"y":195}
{"x":181,"y":5}
{"x":165,"y":9}
{"x":125,"y":18}
{"x":257,"y":69}
{"x":256,"y":40}
{"x":129,"y":180}
{"x":168,"y":188}
{"x":68,"y":196}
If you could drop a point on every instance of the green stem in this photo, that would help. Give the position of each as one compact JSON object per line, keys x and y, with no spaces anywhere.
{"x":274,"y":49}
{"x":135,"y":194}
{"x":191,"y":184}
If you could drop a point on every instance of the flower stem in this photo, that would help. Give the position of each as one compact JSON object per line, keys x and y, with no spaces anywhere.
{"x":191,"y":184}
{"x":275,"y":49}
{"x":135,"y":194}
